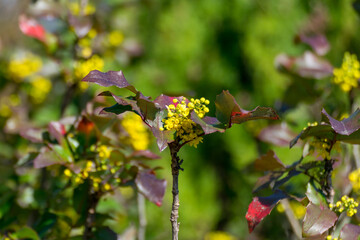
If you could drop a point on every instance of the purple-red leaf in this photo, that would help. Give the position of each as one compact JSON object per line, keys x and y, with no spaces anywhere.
{"x":32,"y":134}
{"x":208,"y":124}
{"x":346,"y":126}
{"x":279,"y":135}
{"x":151,"y":187}
{"x":318,"y":219}
{"x":143,"y":154}
{"x":308,"y":65}
{"x":268,"y":162}
{"x":57,"y":130}
{"x":162,"y":137}
{"x":47,"y":158}
{"x":110,"y":78}
{"x":350,"y":232}
{"x":317,"y":42}
{"x":260,"y":207}
{"x":229,"y":112}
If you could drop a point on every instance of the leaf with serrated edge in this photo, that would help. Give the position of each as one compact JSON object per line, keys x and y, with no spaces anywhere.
{"x":108,"y":79}
{"x":347,"y":126}
{"x":317,"y":220}
{"x":260,"y":207}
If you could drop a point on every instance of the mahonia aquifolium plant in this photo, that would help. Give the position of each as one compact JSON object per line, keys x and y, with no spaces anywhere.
{"x":178,"y":119}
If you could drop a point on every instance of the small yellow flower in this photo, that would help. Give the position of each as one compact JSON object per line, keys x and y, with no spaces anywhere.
{"x":67,"y":172}
{"x":348,"y":75}
{"x":346,"y":203}
{"x":104,"y":151}
{"x":115,"y":38}
{"x":24,"y":65}
{"x":138,"y":135}
{"x":82,"y":68}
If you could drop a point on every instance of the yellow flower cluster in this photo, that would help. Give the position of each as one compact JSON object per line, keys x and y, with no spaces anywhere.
{"x":323,"y":146}
{"x":82,"y":68}
{"x":298,"y":209}
{"x":24,"y":66}
{"x":178,"y":119}
{"x":115,"y":38}
{"x":329,"y":237}
{"x":354,"y":178}
{"x":218,"y":235}
{"x":85,"y":44}
{"x":104,"y":152}
{"x":314,"y":124}
{"x":6,"y":103}
{"x":75,"y":9}
{"x":348,"y":75}
{"x":346,"y":203}
{"x":40,"y":88}
{"x":138,"y":135}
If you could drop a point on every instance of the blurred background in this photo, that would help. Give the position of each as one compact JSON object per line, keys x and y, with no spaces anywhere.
{"x":190,"y":48}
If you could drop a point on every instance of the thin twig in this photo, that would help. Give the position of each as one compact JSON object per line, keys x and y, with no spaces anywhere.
{"x":292,"y":219}
{"x":175,"y":167}
{"x":90,"y":215}
{"x":142,"y":216}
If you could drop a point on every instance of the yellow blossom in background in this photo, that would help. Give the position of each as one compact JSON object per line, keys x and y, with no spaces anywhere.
{"x":329,"y":237}
{"x":298,"y":209}
{"x":75,"y":8}
{"x":115,"y":38}
{"x":346,"y":204}
{"x":354,"y":178}
{"x":139,"y":137}
{"x":218,"y":235}
{"x":5,"y":110}
{"x":178,"y":119}
{"x":82,"y":68}
{"x":348,"y":75}
{"x":323,"y":146}
{"x":24,"y":66}
{"x":104,"y":152}
{"x":40,"y":88}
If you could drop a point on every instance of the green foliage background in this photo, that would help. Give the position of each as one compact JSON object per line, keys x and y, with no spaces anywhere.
{"x":198,"y":48}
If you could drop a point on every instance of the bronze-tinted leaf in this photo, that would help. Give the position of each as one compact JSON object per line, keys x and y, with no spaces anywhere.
{"x":350,"y":232}
{"x":268,"y":162}
{"x":278,"y":134}
{"x":347,"y":126}
{"x":317,"y":42}
{"x":151,"y":187}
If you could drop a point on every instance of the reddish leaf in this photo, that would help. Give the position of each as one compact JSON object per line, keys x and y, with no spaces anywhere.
{"x":163,"y":100}
{"x":151,"y":187}
{"x":350,"y":232}
{"x":162,"y":137}
{"x":307,"y":65}
{"x":110,"y":78}
{"x":317,"y":42}
{"x":57,"y":130}
{"x":260,"y":207}
{"x":85,"y":126}
{"x":346,"y":126}
{"x":229,"y":112}
{"x":318,"y":219}
{"x":208,"y":124}
{"x":279,"y":135}
{"x":144,"y":154}
{"x":268,"y":162}
{"x":31,"y":28}
{"x":47,"y":158}
{"x":32,"y":134}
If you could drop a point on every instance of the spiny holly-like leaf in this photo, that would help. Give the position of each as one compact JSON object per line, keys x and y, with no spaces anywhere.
{"x":31,"y":28}
{"x":110,"y":78}
{"x":151,"y":187}
{"x":260,"y":207}
{"x":268,"y":162}
{"x":347,"y":126}
{"x":317,"y":42}
{"x":308,"y":65}
{"x":315,"y":195}
{"x":278,"y":134}
{"x":350,"y":232}
{"x":208,"y":124}
{"x":318,"y":219}
{"x":229,"y":112}
{"x":162,"y":137}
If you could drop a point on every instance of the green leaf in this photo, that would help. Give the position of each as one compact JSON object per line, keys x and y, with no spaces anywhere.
{"x":25,"y":233}
{"x":315,"y":195}
{"x":46,"y":222}
{"x":147,"y":107}
{"x":268,"y":162}
{"x":118,"y":109}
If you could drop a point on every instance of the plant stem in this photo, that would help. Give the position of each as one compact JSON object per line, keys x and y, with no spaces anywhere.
{"x":292,"y":219}
{"x":90,"y":217}
{"x":175,"y":167}
{"x":142,"y":216}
